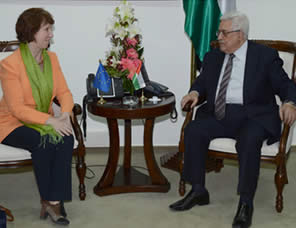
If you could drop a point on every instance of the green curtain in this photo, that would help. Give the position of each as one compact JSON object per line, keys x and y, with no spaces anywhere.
{"x":202,"y":19}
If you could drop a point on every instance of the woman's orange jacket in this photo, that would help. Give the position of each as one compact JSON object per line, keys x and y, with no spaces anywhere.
{"x":17,"y":103}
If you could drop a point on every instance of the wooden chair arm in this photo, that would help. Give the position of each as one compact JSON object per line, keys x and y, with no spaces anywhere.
{"x":77,"y":110}
{"x":283,"y":140}
{"x":9,"y":215}
{"x":56,"y":101}
{"x":187,"y":108}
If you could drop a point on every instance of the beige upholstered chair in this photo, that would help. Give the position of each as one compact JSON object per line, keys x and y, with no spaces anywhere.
{"x":11,"y":157}
{"x":223,"y":148}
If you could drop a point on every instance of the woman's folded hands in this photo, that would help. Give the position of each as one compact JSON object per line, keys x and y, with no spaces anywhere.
{"x":62,"y":124}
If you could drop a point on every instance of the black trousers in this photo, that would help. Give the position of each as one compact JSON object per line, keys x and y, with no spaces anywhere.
{"x":51,"y":163}
{"x":249,"y":136}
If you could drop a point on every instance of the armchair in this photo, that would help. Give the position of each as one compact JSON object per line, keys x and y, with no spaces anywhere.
{"x":11,"y":157}
{"x":224,"y":148}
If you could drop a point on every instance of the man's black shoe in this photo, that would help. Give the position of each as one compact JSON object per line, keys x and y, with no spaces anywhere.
{"x":190,"y":200}
{"x":243,"y":217}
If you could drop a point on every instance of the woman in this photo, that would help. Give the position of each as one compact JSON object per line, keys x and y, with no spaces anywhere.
{"x":31,"y":78}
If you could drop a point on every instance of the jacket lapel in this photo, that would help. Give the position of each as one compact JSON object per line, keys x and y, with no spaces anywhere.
{"x":250,"y":69}
{"x":214,"y":73}
{"x":217,"y":68}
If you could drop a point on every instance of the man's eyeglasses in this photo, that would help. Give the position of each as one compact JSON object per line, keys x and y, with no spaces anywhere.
{"x":225,"y":33}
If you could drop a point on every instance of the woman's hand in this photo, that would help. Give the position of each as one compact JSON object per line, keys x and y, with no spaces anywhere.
{"x":62,"y":124}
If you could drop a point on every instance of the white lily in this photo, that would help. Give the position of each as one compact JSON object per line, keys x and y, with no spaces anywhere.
{"x":115,"y":62}
{"x":120,"y":32}
{"x":117,"y":49}
{"x":133,"y":30}
{"x":125,"y":11}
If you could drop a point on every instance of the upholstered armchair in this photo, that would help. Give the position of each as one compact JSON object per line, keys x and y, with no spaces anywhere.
{"x":11,"y":157}
{"x":224,"y":148}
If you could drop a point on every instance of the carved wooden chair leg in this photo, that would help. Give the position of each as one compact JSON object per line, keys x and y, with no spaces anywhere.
{"x":280,"y":179}
{"x":219,"y":165}
{"x":182,"y":187}
{"x":81,"y":171}
{"x":79,"y":151}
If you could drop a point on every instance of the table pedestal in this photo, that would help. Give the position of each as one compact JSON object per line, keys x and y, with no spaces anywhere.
{"x":128,"y":179}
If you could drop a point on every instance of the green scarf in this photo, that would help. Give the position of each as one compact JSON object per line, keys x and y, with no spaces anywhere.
{"x":41,"y":84}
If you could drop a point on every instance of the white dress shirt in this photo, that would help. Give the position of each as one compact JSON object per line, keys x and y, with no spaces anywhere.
{"x":234,"y":94}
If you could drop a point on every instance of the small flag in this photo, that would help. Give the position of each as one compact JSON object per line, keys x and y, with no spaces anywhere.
{"x":137,"y":79}
{"x":102,"y":80}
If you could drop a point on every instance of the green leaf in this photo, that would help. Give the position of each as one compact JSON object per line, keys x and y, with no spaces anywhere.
{"x":140,"y":52}
{"x":128,"y":85}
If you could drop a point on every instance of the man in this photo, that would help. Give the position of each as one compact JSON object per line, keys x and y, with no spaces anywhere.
{"x":240,"y":82}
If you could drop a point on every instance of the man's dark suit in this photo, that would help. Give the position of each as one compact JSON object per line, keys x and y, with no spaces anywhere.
{"x":264,"y":77}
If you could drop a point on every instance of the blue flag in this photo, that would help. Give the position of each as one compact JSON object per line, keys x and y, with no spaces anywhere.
{"x":102,"y":80}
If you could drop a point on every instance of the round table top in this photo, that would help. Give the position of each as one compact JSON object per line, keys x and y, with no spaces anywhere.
{"x":114,"y":108}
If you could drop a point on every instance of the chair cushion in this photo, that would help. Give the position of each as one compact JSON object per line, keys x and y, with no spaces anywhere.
{"x":228,"y":145}
{"x":9,"y":153}
{"x":75,"y":142}
{"x":3,"y":55}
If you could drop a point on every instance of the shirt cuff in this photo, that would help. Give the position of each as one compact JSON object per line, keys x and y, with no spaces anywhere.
{"x":290,"y":103}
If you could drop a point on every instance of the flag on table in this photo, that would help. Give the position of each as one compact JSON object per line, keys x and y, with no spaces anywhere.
{"x":102,"y":80}
{"x":202,"y":18}
{"x":137,"y":79}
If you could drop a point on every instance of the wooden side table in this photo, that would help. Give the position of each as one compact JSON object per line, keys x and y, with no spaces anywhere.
{"x":128,"y":179}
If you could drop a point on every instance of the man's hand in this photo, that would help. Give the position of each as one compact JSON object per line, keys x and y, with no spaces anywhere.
{"x":192,"y":96}
{"x":288,"y":113}
{"x":61,"y":124}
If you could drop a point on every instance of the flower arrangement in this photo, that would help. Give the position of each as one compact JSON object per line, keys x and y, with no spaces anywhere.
{"x":125,"y":55}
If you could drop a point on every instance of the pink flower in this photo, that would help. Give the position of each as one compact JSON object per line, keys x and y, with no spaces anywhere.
{"x":126,"y":63}
{"x":131,"y":65}
{"x":132,"y":53}
{"x":136,"y":62}
{"x":132,"y":41}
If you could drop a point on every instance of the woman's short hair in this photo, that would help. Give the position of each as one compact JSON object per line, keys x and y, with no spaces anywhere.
{"x":239,"y":21}
{"x":29,"y":23}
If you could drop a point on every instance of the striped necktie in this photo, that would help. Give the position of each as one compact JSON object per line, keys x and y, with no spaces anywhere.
{"x":220,"y":103}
